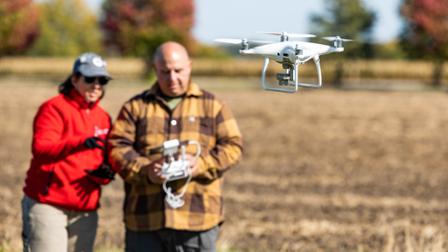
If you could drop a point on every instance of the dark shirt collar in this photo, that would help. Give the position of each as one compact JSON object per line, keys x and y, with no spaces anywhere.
{"x":193,"y":90}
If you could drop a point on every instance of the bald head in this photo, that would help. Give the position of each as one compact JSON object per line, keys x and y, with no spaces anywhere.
{"x":170,"y":51}
{"x":173,"y":68}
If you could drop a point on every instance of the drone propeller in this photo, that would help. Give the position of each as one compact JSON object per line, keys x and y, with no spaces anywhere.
{"x":337,"y":41}
{"x":290,"y":35}
{"x":243,"y":42}
{"x":332,"y":38}
{"x":230,"y":41}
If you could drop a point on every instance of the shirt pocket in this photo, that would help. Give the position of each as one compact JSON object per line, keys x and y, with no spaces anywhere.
{"x":190,"y":127}
{"x":198,"y":129}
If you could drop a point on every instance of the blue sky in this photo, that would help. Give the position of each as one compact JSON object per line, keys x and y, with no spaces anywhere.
{"x":243,"y":18}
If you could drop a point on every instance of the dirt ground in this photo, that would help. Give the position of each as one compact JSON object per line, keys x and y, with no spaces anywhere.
{"x":323,"y":170}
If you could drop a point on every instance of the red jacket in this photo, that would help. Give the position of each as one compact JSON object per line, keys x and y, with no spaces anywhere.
{"x":57,"y":172}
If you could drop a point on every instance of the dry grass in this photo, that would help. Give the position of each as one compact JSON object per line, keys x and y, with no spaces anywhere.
{"x":123,"y":67}
{"x":132,"y":67}
{"x":323,"y":170}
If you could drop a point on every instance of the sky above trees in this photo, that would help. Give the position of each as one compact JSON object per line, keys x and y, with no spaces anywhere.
{"x":244,"y":18}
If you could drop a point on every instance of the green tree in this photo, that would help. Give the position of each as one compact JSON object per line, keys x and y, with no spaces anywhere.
{"x":18,"y":26}
{"x":68,"y":28}
{"x":425,"y":33}
{"x":348,"y":19}
{"x":137,"y":27}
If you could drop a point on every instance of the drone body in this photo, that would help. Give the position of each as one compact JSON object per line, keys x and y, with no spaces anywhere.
{"x":291,"y":51}
{"x":290,"y":54}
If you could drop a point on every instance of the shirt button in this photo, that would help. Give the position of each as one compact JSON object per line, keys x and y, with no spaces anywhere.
{"x":173,"y":122}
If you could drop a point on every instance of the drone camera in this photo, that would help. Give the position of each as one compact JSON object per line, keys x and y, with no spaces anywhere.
{"x":282,"y":76}
{"x":287,"y":76}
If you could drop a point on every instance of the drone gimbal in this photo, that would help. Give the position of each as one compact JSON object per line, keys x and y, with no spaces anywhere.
{"x":288,"y":81}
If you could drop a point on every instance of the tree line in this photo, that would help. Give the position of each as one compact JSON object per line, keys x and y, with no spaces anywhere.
{"x":136,"y":27}
{"x":69,"y":27}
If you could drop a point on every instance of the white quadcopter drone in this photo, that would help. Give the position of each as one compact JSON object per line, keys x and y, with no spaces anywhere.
{"x":290,"y":54}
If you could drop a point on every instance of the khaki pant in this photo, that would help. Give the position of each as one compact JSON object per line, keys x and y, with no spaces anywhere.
{"x":47,"y":228}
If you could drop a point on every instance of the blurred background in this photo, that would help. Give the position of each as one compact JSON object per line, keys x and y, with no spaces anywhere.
{"x":397,"y":39}
{"x":359,"y":165}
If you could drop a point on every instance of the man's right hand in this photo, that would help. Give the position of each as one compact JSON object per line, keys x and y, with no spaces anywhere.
{"x":154,"y":171}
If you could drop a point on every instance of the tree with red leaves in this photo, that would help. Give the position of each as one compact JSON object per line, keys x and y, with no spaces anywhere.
{"x":137,"y":27}
{"x":425,"y":34}
{"x":18,"y":26}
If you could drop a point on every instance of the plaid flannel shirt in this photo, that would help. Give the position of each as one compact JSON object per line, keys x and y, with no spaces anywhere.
{"x":144,"y":123}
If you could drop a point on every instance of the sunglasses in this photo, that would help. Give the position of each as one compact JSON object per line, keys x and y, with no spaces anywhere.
{"x":101,"y":80}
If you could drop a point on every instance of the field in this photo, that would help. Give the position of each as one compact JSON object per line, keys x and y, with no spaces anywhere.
{"x":323,"y":170}
{"x":134,"y":67}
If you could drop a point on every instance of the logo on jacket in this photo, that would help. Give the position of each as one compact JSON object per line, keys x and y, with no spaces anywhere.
{"x":100,"y":132}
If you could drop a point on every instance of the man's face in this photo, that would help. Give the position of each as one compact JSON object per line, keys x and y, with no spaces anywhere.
{"x":173,"y":73}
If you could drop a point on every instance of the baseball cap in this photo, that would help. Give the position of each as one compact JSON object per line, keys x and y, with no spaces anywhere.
{"x":90,"y":64}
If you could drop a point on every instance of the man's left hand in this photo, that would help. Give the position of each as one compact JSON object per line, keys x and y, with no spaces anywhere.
{"x":193,"y":161}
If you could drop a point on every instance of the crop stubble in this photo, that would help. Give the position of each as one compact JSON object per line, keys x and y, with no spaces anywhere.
{"x":323,"y":170}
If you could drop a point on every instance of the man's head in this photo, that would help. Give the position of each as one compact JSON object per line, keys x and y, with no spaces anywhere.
{"x":173,"y":67}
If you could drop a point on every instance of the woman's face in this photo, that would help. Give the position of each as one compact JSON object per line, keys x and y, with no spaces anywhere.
{"x":91,"y":88}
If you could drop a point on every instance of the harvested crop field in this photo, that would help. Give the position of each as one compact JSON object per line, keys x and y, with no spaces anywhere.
{"x":323,"y":170}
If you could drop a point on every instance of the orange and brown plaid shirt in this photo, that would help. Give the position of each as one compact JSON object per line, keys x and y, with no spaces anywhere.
{"x":144,"y":123}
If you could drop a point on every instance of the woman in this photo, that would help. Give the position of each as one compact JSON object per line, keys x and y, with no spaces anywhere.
{"x":63,"y":183}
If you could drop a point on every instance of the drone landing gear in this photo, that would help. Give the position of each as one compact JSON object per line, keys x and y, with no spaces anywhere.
{"x":288,"y":81}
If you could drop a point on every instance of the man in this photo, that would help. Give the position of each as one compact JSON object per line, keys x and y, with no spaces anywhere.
{"x":173,"y":108}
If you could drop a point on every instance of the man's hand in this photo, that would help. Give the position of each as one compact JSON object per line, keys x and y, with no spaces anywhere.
{"x":154,"y":171}
{"x":193,"y":164}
